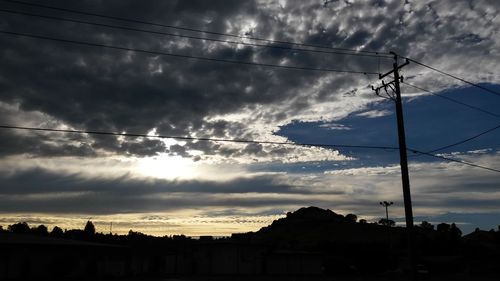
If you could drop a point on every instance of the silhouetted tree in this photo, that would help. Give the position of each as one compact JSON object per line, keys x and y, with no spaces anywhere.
{"x":20,"y":227}
{"x":351,"y":218}
{"x":426,"y":225}
{"x":443,"y":227}
{"x":387,"y":222}
{"x":41,"y":230}
{"x":362,"y":221}
{"x":135,"y":233}
{"x":89,"y":228}
{"x":57,"y":231}
{"x":455,"y":232}
{"x":180,"y":237}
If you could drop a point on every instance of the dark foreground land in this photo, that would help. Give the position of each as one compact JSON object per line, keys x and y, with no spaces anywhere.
{"x":309,"y":244}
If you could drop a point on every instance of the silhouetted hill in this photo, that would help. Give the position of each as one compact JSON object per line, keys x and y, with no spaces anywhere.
{"x":314,"y":213}
{"x":312,"y":225}
{"x":481,"y":236}
{"x":483,"y":242}
{"x":308,"y":242}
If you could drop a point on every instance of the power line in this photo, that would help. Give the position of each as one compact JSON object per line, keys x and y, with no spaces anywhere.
{"x":195,"y":138}
{"x":453,"y":100}
{"x":187,"y":36}
{"x":465,"y":140}
{"x":183,"y":56}
{"x":455,"y":77}
{"x":464,"y":104}
{"x":189,"y":29}
{"x":453,"y":160}
{"x":89,"y":132}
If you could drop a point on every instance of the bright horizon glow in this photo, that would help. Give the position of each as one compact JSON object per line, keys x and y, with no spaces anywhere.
{"x":164,"y":166}
{"x":189,"y":223}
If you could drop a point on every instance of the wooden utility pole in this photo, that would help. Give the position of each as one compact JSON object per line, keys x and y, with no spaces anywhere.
{"x":393,"y":92}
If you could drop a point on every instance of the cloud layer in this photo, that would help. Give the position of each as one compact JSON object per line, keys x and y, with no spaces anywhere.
{"x":101,"y":89}
{"x":68,"y":86}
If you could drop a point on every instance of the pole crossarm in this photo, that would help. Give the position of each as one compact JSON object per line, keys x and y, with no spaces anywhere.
{"x":380,"y":76}
{"x":386,"y":86}
{"x":390,"y":85}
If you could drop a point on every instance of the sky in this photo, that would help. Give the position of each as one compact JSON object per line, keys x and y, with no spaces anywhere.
{"x":171,"y":186}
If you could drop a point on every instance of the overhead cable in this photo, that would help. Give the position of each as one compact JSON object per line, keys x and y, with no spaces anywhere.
{"x":464,"y":104}
{"x":241,"y":141}
{"x":188,"y":28}
{"x":465,"y":140}
{"x":90,"y":132}
{"x":453,"y":160}
{"x":191,"y":37}
{"x":183,"y":56}
{"x":456,"y":77}
{"x":453,"y":100}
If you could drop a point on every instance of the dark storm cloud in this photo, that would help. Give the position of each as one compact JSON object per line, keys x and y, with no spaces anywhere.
{"x":102,"y":89}
{"x":39,"y":190}
{"x":41,"y":145}
{"x":93,"y":203}
{"x":484,"y":183}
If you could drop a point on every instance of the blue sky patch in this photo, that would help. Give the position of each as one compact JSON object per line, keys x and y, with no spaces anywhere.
{"x":430,"y":122}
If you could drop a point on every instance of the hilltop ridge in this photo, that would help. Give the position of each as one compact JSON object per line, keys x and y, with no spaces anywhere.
{"x":314,"y":224}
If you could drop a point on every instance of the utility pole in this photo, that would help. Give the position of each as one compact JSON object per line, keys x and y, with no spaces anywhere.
{"x":393,"y":92}
{"x":388,"y":225}
{"x":386,"y":205}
